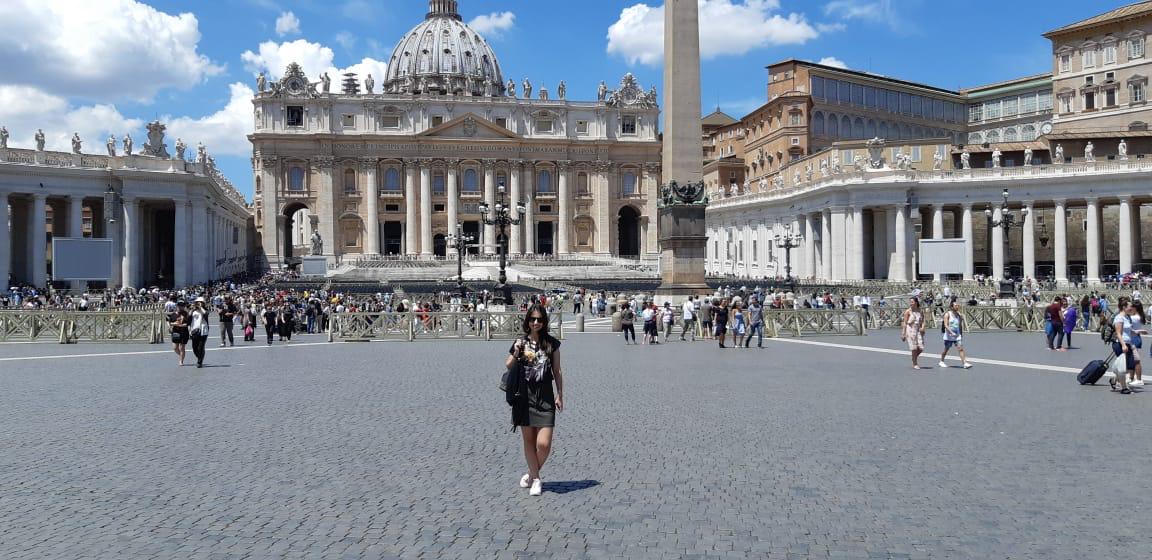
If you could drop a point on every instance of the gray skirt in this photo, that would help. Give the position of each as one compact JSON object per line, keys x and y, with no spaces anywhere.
{"x":541,"y":404}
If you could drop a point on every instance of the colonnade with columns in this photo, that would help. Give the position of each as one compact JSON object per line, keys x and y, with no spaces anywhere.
{"x":1079,"y":230}
{"x":579,"y":198}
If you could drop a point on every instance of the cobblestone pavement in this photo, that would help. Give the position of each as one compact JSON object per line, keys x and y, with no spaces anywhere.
{"x":677,"y":451}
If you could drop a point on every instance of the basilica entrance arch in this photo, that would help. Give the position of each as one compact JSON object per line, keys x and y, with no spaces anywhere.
{"x":439,"y":245}
{"x":297,"y":231}
{"x":629,"y":234}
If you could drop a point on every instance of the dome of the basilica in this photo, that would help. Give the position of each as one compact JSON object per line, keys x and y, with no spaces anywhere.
{"x":443,"y":55}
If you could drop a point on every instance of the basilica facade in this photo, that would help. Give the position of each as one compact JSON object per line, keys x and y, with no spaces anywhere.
{"x":391,"y":170}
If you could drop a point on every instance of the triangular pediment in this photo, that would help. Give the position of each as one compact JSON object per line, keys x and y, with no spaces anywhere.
{"x":468,"y":126}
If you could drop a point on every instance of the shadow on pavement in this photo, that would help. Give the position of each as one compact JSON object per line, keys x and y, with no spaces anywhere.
{"x":570,"y":486}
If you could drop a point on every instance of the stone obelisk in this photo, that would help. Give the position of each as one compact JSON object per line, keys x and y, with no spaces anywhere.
{"x":682,"y":234}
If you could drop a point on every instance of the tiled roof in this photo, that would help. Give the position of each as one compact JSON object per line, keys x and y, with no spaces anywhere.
{"x":1123,"y":12}
{"x":718,"y":118}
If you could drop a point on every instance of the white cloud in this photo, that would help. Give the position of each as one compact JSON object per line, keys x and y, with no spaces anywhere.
{"x":314,"y":59}
{"x":23,"y":109}
{"x":224,"y":132}
{"x":287,"y":24}
{"x":118,"y":49}
{"x":875,"y":10}
{"x":727,"y":27}
{"x":832,"y":61}
{"x":345,"y":39}
{"x":493,"y":25}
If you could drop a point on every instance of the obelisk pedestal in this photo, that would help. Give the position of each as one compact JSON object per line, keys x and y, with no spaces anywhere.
{"x":682,"y":232}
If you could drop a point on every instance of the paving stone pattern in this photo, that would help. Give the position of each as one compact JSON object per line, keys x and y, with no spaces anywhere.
{"x":403,"y":450}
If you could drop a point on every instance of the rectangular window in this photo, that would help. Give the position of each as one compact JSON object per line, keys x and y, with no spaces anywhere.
{"x":438,"y":207}
{"x":390,"y":122}
{"x":1089,"y":80}
{"x":1110,"y":54}
{"x":795,"y":119}
{"x":1110,"y":98}
{"x":1109,"y":76}
{"x":893,"y":102}
{"x":795,"y":140}
{"x":1137,"y":93}
{"x":818,"y":87}
{"x":295,"y":114}
{"x":348,"y":121}
{"x":845,"y":93}
{"x":1088,"y":57}
{"x":437,"y":120}
{"x":1089,"y":101}
{"x":1044,"y":100}
{"x":905,"y":103}
{"x":858,"y":94}
{"x":1065,"y":63}
{"x":628,"y":125}
{"x":501,"y":122}
{"x":938,"y":109}
{"x":1136,"y":48}
{"x":581,"y":127}
{"x":1010,"y":105}
{"x":916,"y":153}
{"x":917,"y":106}
{"x":870,"y":96}
{"x":846,"y":158}
{"x":992,"y":109}
{"x":235,"y":236}
{"x":1066,"y":104}
{"x":1027,"y":104}
{"x":391,"y":207}
{"x":544,"y":125}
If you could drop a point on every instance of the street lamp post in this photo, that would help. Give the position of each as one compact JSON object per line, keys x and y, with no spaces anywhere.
{"x":788,"y":241}
{"x":502,"y":216}
{"x":460,"y":241}
{"x":1007,"y":220}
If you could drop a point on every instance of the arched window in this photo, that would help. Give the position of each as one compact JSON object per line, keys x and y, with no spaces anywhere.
{"x":845,"y":127}
{"x":870,"y":129}
{"x":833,"y":126}
{"x":425,"y":62}
{"x":544,"y":181}
{"x":858,"y":128}
{"x":1028,"y":133}
{"x":447,"y":61}
{"x":975,"y":138}
{"x":471,"y":181}
{"x":883,"y":130}
{"x":993,"y":136}
{"x":349,"y":181}
{"x":1010,"y":134}
{"x":392,"y":179}
{"x":628,"y":186}
{"x":818,"y":123}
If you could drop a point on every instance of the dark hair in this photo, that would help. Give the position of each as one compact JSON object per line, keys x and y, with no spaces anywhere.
{"x":1140,"y":311}
{"x":536,"y":308}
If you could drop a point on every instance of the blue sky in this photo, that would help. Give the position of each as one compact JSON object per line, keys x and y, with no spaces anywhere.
{"x":105,"y":67}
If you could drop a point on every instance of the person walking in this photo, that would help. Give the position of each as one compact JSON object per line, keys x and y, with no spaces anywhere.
{"x":198,"y":330}
{"x":952,"y":323}
{"x":912,"y":330}
{"x":688,"y":317}
{"x":706,"y":318}
{"x":287,"y":321}
{"x":1070,"y":320}
{"x":538,"y":354}
{"x":1085,"y":311}
{"x":1138,"y":321}
{"x":649,"y":317}
{"x":179,"y":320}
{"x":736,"y":319}
{"x":1054,"y":321}
{"x":756,"y":323}
{"x":627,"y":322}
{"x":720,"y":312}
{"x":227,"y":312}
{"x":668,"y":317}
{"x":1122,"y":345}
{"x":271,"y":319}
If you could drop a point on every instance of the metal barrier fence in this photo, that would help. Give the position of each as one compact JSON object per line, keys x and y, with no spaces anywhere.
{"x":67,"y":327}
{"x":812,"y":322}
{"x":348,"y":327}
{"x":976,"y":318}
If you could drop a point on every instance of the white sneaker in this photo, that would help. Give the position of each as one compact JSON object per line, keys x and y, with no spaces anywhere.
{"x":967,"y":365}
{"x":1136,"y":383}
{"x":525,"y":481}
{"x":942,"y":364}
{"x":537,"y":487}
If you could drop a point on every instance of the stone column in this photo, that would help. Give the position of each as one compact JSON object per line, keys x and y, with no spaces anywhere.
{"x":1029,"y":240}
{"x":811,"y":255}
{"x":199,"y":235}
{"x":37,"y":229}
{"x":937,"y":230}
{"x":969,"y":250}
{"x":425,"y":207}
{"x":269,"y":168}
{"x":5,"y":242}
{"x":1060,"y":225}
{"x":76,"y":230}
{"x":529,"y":217}
{"x":411,"y":235}
{"x":563,"y":209}
{"x":490,"y":200}
{"x":130,"y":227}
{"x":838,"y":228}
{"x":327,"y":210}
{"x":180,"y":270}
{"x":453,"y":191}
{"x":997,"y":244}
{"x":1093,"y":238}
{"x":857,"y":238}
{"x":899,"y":263}
{"x":880,"y":248}
{"x":515,"y":242}
{"x":604,"y":222}
{"x":826,"y":245}
{"x":1125,"y":234}
{"x":372,"y":208}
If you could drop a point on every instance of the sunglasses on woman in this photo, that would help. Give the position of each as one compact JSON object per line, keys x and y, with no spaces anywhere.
{"x":536,"y":320}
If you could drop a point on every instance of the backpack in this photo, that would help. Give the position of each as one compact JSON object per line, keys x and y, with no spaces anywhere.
{"x":1107,"y":330}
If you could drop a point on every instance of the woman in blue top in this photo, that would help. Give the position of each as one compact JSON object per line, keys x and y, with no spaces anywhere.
{"x":1138,"y":320}
{"x":953,"y":327}
{"x":1123,"y":346}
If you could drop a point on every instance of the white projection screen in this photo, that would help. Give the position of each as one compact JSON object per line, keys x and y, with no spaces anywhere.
{"x":81,"y":259}
{"x":943,"y":256}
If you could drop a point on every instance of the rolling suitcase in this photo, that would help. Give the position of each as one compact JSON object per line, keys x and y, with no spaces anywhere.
{"x":1095,"y":370}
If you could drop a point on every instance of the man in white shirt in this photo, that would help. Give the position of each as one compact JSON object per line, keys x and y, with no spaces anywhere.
{"x":688,"y":314}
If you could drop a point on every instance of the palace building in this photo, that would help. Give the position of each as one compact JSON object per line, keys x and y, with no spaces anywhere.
{"x":390,"y":170}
